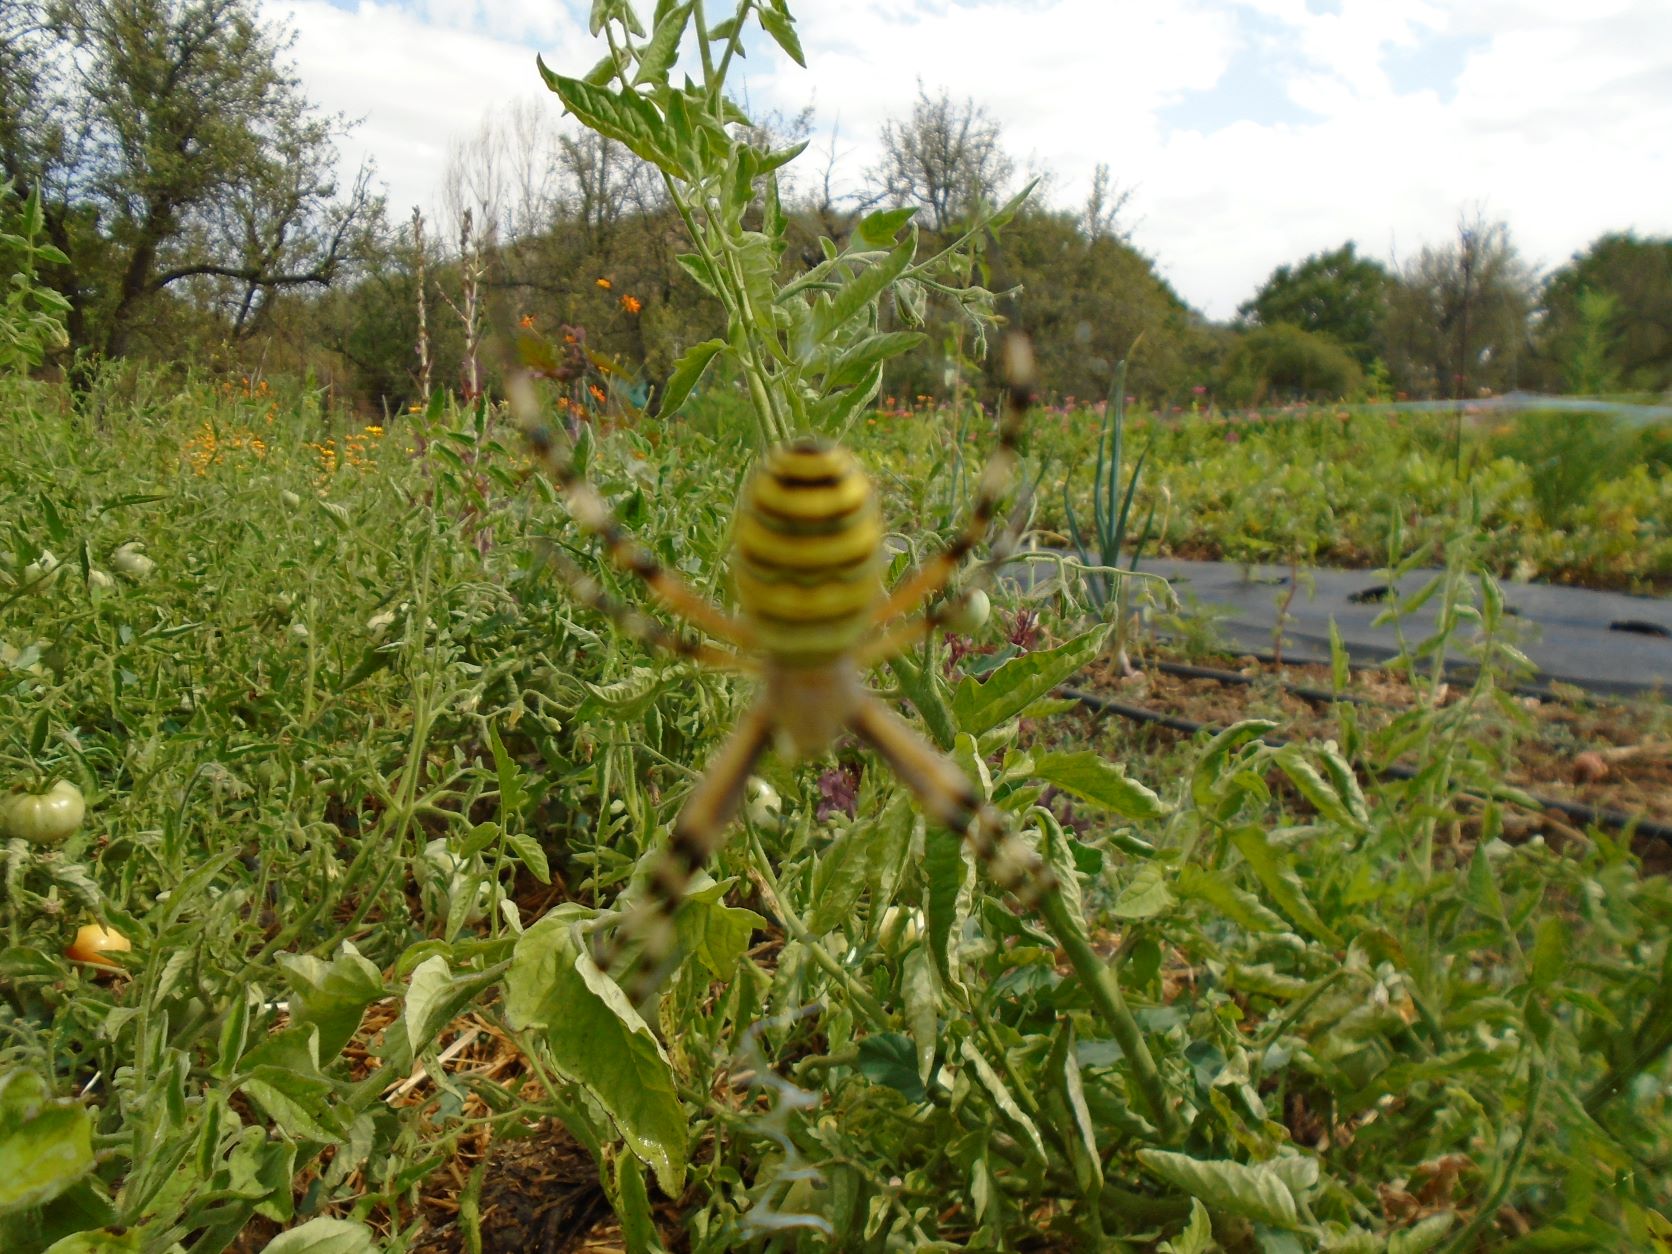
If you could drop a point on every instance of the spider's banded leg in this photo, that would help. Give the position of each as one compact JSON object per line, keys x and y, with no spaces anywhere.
{"x":901,"y":635}
{"x":697,"y":833}
{"x":591,"y":511}
{"x":948,"y":799}
{"x":591,"y":593}
{"x":933,"y":574}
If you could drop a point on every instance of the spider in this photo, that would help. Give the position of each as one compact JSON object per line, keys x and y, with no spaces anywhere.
{"x":813,"y":616}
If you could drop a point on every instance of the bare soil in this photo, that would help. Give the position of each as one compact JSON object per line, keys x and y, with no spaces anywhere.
{"x":1574,"y":747}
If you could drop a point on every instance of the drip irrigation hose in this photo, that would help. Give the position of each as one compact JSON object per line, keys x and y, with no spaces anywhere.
{"x":1457,"y":671}
{"x":1601,"y":816}
{"x":1186,"y":670}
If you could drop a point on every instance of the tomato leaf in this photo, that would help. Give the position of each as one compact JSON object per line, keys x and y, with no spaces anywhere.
{"x":597,"y":1039}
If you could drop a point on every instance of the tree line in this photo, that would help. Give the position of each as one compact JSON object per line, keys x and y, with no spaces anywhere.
{"x":191,"y":192}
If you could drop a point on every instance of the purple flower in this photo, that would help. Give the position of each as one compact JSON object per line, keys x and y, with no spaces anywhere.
{"x":839,"y":791}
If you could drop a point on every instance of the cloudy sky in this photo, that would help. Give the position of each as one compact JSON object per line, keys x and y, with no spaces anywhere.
{"x":1250,"y":132}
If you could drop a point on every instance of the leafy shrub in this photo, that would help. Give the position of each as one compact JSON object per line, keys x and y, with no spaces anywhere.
{"x":1283,"y":362}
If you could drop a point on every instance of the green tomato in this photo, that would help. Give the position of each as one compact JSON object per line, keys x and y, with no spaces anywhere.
{"x":130,"y":560}
{"x":49,"y":818}
{"x":971,"y":616}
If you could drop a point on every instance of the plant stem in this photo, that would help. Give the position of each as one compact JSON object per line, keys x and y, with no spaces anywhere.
{"x":762,"y":866}
{"x":1103,"y":987}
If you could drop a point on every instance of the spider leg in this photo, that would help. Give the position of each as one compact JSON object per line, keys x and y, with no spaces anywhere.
{"x":933,"y":574}
{"x":593,"y":513}
{"x":590,"y":592}
{"x":697,"y":833}
{"x":900,"y":635}
{"x":949,"y":799}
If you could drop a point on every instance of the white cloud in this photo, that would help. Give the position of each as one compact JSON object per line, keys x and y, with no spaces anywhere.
{"x":1556,"y":120}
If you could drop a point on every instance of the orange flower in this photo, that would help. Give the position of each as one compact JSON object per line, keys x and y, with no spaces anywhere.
{"x":632,"y":304}
{"x":605,"y":284}
{"x":597,"y":392}
{"x":526,"y":322}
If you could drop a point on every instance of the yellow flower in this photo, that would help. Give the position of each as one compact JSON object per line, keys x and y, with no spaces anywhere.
{"x":605,"y":284}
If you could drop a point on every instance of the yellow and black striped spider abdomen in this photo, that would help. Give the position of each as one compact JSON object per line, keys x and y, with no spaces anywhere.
{"x":809,"y":559}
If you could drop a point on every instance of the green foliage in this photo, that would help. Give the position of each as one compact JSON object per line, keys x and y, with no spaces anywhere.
{"x":1336,"y":294}
{"x":1608,"y":317}
{"x":31,"y":313}
{"x":344,"y":717}
{"x":336,"y":819}
{"x":1284,"y":362}
{"x":1573,"y":498}
{"x":1087,"y":299}
{"x":1457,"y":317}
{"x":811,"y":351}
{"x":1111,"y":503}
{"x":180,"y":155}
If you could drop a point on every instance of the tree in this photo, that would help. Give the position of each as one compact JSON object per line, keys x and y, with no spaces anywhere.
{"x":1104,"y":204}
{"x":1457,"y":318}
{"x":947,"y":159}
{"x":1607,"y":317}
{"x":182,"y":153}
{"x":1087,"y":302}
{"x":1338,"y":294}
{"x":1284,"y":361}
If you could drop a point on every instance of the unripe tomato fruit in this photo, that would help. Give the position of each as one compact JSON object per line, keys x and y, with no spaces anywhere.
{"x":93,"y":944}
{"x":48,"y":819}
{"x":971,"y":616}
{"x":130,"y":560}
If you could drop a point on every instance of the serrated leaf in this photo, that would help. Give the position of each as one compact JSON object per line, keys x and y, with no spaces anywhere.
{"x":529,"y":852}
{"x":1091,"y":777}
{"x":693,"y":363}
{"x":626,"y":697}
{"x":834,"y":414}
{"x":597,"y":1039}
{"x":840,"y":875}
{"x":624,"y":116}
{"x":980,"y":707}
{"x":1197,"y":1237}
{"x":877,"y":230}
{"x":886,"y":1058}
{"x":1063,"y":1072}
{"x":697,"y":268}
{"x":435,"y":996}
{"x":858,"y":360}
{"x":657,"y":56}
{"x":1231,"y":1188}
{"x":946,"y":872}
{"x":632,"y":1206}
{"x":831,"y":312}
